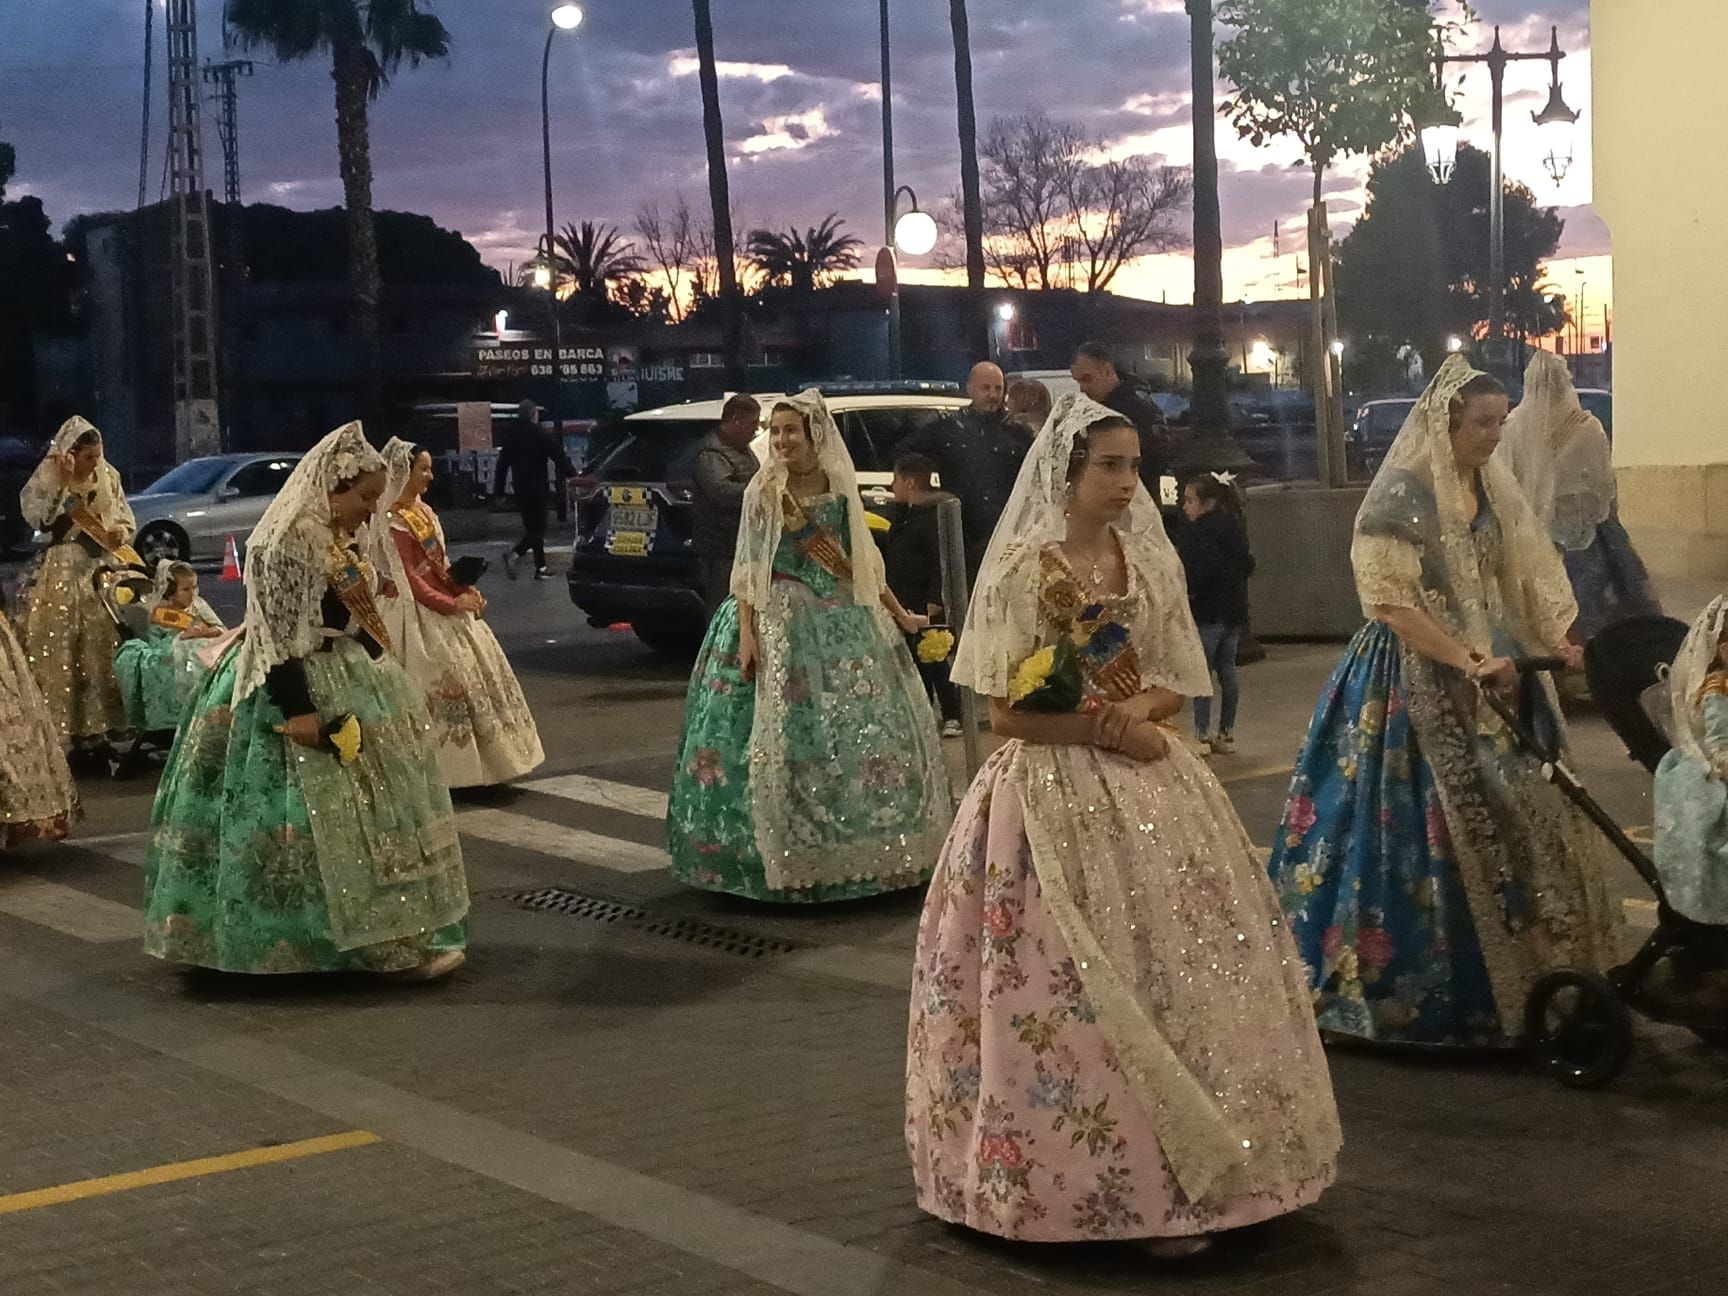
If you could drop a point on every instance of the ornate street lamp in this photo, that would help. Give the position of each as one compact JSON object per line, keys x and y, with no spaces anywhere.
{"x":915,"y":230}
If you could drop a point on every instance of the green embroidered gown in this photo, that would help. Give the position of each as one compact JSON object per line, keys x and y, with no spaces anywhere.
{"x":828,"y":766}
{"x":266,"y":856}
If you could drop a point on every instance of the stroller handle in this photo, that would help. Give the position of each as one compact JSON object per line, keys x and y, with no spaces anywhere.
{"x":1538,"y":665}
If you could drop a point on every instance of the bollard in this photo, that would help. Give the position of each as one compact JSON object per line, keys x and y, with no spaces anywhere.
{"x":955,"y":597}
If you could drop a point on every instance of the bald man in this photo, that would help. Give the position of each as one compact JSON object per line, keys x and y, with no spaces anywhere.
{"x":977,"y":451}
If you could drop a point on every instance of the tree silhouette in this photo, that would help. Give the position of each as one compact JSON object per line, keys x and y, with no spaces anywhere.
{"x":807,"y":260}
{"x":595,"y":260}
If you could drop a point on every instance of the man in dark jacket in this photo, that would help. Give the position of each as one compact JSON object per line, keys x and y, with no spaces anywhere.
{"x":724,"y":467}
{"x":1095,"y":371}
{"x":912,"y":566}
{"x":978,"y":453}
{"x":527,"y":451}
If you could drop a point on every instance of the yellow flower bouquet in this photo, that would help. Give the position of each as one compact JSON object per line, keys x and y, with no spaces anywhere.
{"x":935,"y":645}
{"x":343,"y":735}
{"x":1048,"y":681}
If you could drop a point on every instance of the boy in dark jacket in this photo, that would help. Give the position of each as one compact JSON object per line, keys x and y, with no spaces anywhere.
{"x":912,"y":558}
{"x":1215,"y":554}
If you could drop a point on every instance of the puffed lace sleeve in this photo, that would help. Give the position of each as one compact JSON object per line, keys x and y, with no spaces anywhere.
{"x":1388,"y":571}
{"x":1002,"y":626}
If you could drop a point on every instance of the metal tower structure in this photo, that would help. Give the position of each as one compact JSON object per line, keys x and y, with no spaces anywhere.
{"x":227,"y":97}
{"x":196,"y":420}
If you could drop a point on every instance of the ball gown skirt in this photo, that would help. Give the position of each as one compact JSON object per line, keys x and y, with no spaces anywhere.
{"x":852,"y":795}
{"x":1429,"y":872}
{"x":1110,"y":1034}
{"x":38,"y":799}
{"x":266,"y":856}
{"x":71,"y":643}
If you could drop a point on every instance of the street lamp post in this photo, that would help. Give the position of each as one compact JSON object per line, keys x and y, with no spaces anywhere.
{"x":566,"y":17}
{"x":1440,"y":144}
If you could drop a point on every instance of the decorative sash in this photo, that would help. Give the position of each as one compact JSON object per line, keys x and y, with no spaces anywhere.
{"x":424,"y":531}
{"x":351,"y":579}
{"x":821,"y":545}
{"x":84,"y":518}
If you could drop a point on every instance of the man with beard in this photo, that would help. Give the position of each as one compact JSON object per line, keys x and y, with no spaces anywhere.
{"x":977,"y":452}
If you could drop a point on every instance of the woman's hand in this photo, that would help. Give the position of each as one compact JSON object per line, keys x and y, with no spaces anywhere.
{"x":303,"y":729}
{"x":911,"y":622}
{"x":200,"y":632}
{"x":1497,"y":673}
{"x":1144,"y":741}
{"x":66,"y":464}
{"x":747,"y":652}
{"x":470,"y":601}
{"x":1572,"y":654}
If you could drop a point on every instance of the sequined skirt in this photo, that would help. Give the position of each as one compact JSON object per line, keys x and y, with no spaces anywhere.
{"x":1091,"y":1026}
{"x":270,"y":857}
{"x":38,"y":799}
{"x":71,"y":643}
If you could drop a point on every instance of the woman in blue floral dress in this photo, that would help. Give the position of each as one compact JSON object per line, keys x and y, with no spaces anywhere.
{"x":1429,"y":872}
{"x":810,"y":767}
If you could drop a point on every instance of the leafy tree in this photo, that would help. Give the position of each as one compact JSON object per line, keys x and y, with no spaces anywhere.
{"x":673,"y":241}
{"x":804,"y":260}
{"x":1414,"y":269}
{"x":37,"y":289}
{"x":594,"y":260}
{"x":294,"y":246}
{"x":1338,"y":76}
{"x":367,"y":42}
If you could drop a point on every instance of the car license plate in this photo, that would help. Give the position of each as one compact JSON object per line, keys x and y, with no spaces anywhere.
{"x":632,"y":518}
{"x":627,"y":544}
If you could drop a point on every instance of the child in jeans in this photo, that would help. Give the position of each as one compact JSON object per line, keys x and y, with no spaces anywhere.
{"x":1214,"y":549}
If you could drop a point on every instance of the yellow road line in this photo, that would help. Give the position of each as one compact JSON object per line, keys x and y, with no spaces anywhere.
{"x":83,"y":1188}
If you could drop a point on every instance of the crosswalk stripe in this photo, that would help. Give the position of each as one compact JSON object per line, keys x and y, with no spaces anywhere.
{"x":69,"y":911}
{"x":627,"y":797}
{"x":524,"y":831}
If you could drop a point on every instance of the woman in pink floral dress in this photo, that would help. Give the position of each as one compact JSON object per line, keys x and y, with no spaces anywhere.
{"x":1110,"y":1033}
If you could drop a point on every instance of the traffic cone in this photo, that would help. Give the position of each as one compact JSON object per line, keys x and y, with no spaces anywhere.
{"x":230,"y":561}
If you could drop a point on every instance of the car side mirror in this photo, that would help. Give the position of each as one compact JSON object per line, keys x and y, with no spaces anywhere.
{"x":227,"y":492}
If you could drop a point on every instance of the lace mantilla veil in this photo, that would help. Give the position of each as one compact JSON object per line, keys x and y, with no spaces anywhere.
{"x":1419,"y":482}
{"x":398,"y":467}
{"x":1567,"y":475}
{"x":1003,"y":624}
{"x":1697,"y":658}
{"x":287,"y":558}
{"x":43,"y":493}
{"x":761,"y":523}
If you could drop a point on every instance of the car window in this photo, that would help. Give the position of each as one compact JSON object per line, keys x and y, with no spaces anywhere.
{"x":263,"y":477}
{"x":193,"y":477}
{"x":663,"y":451}
{"x":1387,"y":419}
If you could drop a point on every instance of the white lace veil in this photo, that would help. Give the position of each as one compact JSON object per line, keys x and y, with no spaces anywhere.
{"x":43,"y":493}
{"x":1003,"y":625}
{"x":1697,"y":658}
{"x":1414,"y":546}
{"x":761,"y":521}
{"x":398,"y":466}
{"x":1567,"y":473}
{"x":287,"y":558}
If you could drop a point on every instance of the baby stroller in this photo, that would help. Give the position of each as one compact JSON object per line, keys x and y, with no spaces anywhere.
{"x":121,"y":592}
{"x":1578,"y":1024}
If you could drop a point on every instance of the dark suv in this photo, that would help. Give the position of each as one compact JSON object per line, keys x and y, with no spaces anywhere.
{"x":634,"y":559}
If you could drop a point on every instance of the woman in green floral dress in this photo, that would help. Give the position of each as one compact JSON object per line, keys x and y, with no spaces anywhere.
{"x":810,"y":767}
{"x":301,"y":825}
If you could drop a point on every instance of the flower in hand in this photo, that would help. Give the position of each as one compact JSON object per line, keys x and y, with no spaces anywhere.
{"x":935,"y":646}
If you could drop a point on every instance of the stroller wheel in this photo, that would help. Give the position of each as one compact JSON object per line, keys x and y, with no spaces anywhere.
{"x":1577,"y":1028}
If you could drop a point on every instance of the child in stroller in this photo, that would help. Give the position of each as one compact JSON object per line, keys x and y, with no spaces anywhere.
{"x":1578,"y":1024}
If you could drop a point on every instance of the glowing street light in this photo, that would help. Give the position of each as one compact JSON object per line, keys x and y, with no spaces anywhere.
{"x":914,"y":231}
{"x":1338,"y":347}
{"x":567,"y":17}
{"x":1005,"y":312}
{"x":1454,"y":344}
{"x":542,"y":277}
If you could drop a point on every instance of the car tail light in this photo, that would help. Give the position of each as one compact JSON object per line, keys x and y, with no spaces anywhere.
{"x":680,"y":492}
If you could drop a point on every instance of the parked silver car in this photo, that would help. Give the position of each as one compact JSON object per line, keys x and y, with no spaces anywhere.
{"x":190,"y":511}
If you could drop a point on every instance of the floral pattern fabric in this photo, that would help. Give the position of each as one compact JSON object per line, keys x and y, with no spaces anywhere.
{"x":1691,"y":799}
{"x":268,"y":857}
{"x":1610,"y":581}
{"x":1109,"y":1034}
{"x":829,"y":761}
{"x":1429,"y":872}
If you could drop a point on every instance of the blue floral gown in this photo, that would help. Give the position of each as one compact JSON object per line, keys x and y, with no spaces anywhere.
{"x":842,"y":779}
{"x":1430,"y":875}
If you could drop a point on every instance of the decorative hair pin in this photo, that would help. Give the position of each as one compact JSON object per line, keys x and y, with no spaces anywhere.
{"x":1223,"y":478}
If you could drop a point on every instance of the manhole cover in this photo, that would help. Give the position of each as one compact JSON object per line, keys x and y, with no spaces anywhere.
{"x":692,"y":931}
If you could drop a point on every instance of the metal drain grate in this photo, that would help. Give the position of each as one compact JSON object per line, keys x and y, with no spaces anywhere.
{"x":692,"y":931}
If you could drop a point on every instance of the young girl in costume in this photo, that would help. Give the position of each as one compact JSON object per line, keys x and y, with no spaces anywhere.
{"x":1691,"y":837}
{"x":157,"y":670}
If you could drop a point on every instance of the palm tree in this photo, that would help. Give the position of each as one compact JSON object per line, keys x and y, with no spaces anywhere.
{"x":807,"y":260}
{"x":971,"y":194}
{"x":366,"y":41}
{"x":720,"y":198}
{"x":594,"y":259}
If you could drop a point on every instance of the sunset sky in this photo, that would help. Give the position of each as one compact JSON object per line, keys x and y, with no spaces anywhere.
{"x":460,"y":140}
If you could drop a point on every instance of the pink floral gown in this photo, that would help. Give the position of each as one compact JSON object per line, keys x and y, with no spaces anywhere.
{"x":1110,"y":1031}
